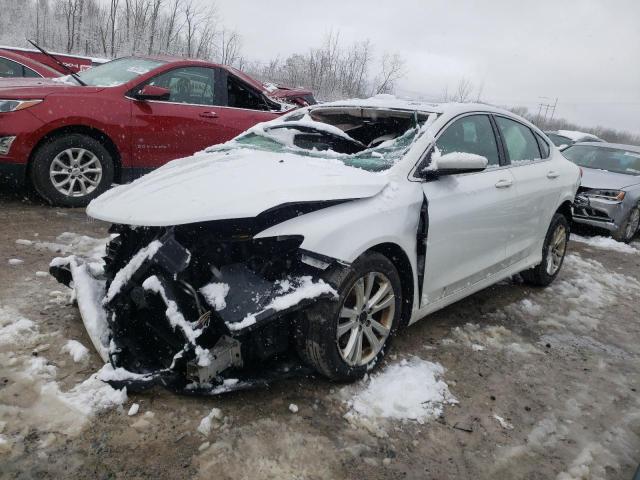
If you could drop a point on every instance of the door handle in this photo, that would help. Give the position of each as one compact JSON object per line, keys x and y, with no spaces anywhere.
{"x":209,"y":114}
{"x":504,"y":183}
{"x":552,"y":174}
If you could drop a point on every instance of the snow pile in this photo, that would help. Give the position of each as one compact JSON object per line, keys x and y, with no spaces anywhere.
{"x":73,"y":243}
{"x":215,"y":294}
{"x":125,"y":273}
{"x":78,"y":352}
{"x":210,"y":421}
{"x":410,"y":390}
{"x":606,"y":243}
{"x":49,"y":408}
{"x":591,"y":285}
{"x":478,"y":338}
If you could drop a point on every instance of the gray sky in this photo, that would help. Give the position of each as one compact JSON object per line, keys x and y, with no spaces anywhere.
{"x":585,"y":52}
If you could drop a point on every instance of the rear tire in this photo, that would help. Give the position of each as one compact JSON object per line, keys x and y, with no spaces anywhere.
{"x":553,"y":253}
{"x":629,"y":227}
{"x":330,"y":331}
{"x":71,"y":170}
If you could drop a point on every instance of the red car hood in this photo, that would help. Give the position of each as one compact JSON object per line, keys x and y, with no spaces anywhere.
{"x":38,"y":87}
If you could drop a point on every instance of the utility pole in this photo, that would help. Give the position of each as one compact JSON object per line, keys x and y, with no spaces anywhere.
{"x":546,"y":105}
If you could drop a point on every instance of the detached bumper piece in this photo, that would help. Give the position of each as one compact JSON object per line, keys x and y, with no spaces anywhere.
{"x":146,"y":313}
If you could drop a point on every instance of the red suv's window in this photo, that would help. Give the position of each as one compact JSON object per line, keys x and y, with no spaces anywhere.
{"x":193,"y":85}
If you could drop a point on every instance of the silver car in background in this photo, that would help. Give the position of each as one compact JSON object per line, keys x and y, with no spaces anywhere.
{"x":611,"y":183}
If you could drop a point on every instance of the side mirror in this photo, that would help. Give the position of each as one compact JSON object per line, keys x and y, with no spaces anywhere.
{"x":454,"y":162}
{"x":153,"y":92}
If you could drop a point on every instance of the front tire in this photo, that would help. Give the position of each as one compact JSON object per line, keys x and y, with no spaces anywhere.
{"x":71,"y":170}
{"x":553,"y":253}
{"x":629,"y":227}
{"x":342,"y":339}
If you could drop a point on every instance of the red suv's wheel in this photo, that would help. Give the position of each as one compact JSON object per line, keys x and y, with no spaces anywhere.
{"x":71,"y":170}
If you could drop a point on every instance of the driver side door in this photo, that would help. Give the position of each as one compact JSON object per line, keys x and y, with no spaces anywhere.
{"x":469,"y":214}
{"x":163,"y":130}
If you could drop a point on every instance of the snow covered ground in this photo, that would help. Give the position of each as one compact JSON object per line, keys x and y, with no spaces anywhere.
{"x":514,"y":382}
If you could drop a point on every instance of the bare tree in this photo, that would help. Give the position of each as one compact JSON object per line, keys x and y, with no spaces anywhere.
{"x":393,"y":68}
{"x":229,"y":47}
{"x":155,"y":11}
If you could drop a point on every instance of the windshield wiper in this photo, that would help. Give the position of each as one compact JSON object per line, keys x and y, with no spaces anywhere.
{"x":67,"y":69}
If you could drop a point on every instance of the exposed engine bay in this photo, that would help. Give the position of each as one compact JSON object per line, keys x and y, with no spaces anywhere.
{"x":199,"y":307}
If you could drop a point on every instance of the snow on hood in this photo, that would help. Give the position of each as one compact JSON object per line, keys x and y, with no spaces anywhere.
{"x":223,"y":185}
{"x":603,"y":179}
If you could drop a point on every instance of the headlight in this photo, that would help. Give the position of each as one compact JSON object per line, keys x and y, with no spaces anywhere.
{"x":613,"y":195}
{"x":14,"y":105}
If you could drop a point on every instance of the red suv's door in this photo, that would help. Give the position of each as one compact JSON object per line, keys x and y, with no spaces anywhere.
{"x":180,"y":126}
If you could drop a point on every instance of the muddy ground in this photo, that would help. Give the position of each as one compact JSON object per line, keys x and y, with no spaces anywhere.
{"x":560,"y":366}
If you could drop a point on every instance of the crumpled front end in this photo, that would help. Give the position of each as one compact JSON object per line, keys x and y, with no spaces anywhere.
{"x":199,"y":308}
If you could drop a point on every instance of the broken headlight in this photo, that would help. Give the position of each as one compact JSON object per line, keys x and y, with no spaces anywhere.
{"x":612,"y":195}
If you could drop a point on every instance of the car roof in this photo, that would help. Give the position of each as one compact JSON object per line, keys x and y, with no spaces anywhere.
{"x":28,"y":62}
{"x":391,"y":102}
{"x":620,"y":146}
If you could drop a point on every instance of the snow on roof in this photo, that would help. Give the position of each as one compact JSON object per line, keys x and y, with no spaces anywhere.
{"x":386,"y":101}
{"x":576,"y":135}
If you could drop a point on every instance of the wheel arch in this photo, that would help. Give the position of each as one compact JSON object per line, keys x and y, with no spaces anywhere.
{"x":396,"y":255}
{"x":565,"y":209}
{"x":94,"y":133}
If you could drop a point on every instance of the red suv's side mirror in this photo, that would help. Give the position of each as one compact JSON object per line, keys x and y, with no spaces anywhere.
{"x":153,"y":92}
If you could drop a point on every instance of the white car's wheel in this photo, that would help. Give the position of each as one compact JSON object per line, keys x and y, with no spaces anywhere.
{"x":553,"y":253}
{"x":343,"y":339}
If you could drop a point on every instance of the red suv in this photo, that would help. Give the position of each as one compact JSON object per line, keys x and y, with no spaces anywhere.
{"x":71,"y":138}
{"x":14,"y":65}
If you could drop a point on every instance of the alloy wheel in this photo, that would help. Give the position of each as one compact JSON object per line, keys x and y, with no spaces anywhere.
{"x":75,"y":172}
{"x":557,"y":249}
{"x":633,"y":223}
{"x":365,"y":319}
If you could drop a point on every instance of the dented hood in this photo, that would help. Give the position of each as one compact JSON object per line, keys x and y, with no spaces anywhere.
{"x":239,"y":183}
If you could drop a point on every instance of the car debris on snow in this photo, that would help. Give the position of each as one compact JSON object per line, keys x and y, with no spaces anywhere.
{"x":133,"y":410}
{"x":15,"y":261}
{"x":293,"y":408}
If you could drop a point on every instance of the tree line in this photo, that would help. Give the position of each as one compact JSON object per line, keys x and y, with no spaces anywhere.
{"x":114,"y":28}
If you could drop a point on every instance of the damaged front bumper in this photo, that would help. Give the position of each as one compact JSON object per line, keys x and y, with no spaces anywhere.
{"x":598,"y":212}
{"x":193,"y":312}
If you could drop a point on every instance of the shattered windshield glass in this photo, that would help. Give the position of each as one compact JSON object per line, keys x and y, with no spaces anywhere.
{"x":370,"y":144}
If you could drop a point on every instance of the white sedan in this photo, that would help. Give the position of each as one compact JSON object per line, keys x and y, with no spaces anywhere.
{"x":322,"y":232}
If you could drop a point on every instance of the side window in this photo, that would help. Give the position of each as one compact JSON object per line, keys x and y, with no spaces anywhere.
{"x":545,"y":150}
{"x":240,"y":96}
{"x":192,"y":85}
{"x":9,"y":68}
{"x":519,"y":141}
{"x":471,"y":134}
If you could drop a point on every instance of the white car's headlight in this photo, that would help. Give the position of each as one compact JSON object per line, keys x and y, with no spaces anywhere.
{"x":613,"y":195}
{"x":14,"y":105}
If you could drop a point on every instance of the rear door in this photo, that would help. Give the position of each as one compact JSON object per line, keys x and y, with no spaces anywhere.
{"x":470,"y":215}
{"x":180,"y":126}
{"x":536,"y":183}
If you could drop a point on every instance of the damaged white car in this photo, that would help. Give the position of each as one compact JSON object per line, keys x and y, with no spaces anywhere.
{"x":320,"y":233}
